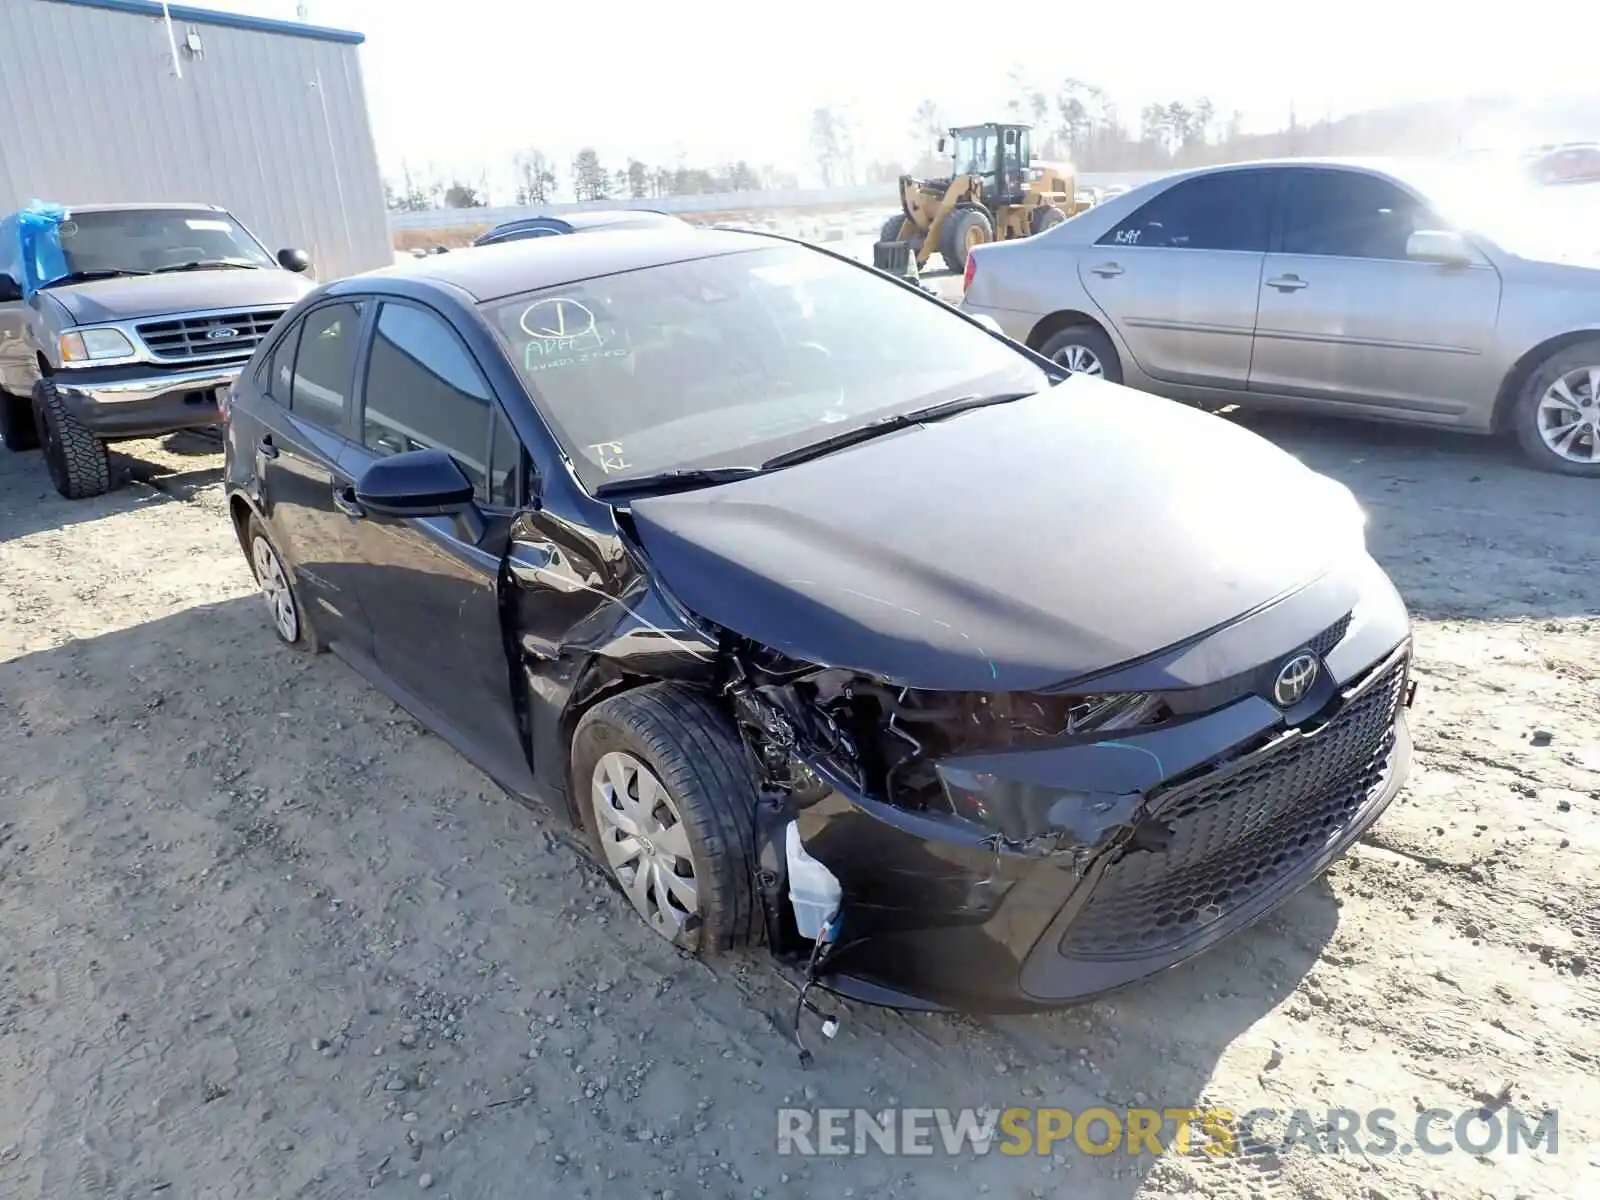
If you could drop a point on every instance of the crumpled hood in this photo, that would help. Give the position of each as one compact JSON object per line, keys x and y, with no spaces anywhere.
{"x":1008,"y":548}
{"x":136,"y":296}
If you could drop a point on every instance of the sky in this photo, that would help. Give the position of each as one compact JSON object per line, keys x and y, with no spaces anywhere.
{"x":464,"y":84}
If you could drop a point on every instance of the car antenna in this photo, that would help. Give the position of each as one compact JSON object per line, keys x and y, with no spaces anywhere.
{"x":830,"y":1022}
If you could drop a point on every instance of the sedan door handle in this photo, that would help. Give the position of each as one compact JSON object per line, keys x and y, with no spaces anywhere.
{"x":265,"y":448}
{"x":1107,"y":270}
{"x":344,"y":499}
{"x":1287,"y":283}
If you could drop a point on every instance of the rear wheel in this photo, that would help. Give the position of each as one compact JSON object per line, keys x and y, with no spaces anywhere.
{"x":669,"y":802}
{"x":964,"y":229}
{"x":17,"y":428}
{"x":1046,"y":216}
{"x":1084,"y":350}
{"x":1557,"y":417}
{"x":289,"y":620}
{"x":77,"y":460}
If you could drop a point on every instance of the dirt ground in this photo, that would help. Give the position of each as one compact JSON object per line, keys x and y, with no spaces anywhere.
{"x":262,"y":936}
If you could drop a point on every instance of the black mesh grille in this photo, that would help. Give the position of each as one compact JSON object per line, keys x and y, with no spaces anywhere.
{"x":1234,"y":838}
{"x":1330,"y":637}
{"x":184,"y":339}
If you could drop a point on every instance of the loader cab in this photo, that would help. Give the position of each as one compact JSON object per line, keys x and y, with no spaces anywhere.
{"x":998,"y":154}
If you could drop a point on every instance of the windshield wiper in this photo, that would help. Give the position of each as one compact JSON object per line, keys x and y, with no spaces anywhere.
{"x":93,"y":273}
{"x":667,"y":480}
{"x":207,"y":264}
{"x":883,"y":425}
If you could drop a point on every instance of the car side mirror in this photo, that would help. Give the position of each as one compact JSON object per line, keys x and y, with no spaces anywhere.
{"x":1440,"y":246}
{"x":294,"y":260}
{"x":418,"y":483}
{"x":10,"y":290}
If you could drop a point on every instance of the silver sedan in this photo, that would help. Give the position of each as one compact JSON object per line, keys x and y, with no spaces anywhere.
{"x":1421,"y":292}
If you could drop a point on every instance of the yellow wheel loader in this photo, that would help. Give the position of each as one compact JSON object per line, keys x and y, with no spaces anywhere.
{"x":995,"y":192}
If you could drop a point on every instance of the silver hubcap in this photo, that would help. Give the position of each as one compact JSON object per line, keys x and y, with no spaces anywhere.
{"x":1569,"y":416}
{"x":1080,"y":360}
{"x":646,"y":845}
{"x":275,"y":589}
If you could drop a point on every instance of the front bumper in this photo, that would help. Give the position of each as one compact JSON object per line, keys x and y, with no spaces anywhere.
{"x":144,"y":401}
{"x":934,"y":917}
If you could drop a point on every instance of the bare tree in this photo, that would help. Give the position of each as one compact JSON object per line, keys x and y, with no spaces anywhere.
{"x":536,"y":178}
{"x":638,"y":179}
{"x":830,"y":141}
{"x":927,"y":126}
{"x":589,"y":178}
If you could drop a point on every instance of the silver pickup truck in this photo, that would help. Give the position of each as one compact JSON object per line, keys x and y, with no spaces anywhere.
{"x":128,"y":322}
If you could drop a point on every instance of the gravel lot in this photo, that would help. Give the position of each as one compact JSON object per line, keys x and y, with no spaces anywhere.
{"x":262,"y":936}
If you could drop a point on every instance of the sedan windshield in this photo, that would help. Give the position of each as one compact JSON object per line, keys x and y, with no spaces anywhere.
{"x":732,"y":360}
{"x":142,"y":241}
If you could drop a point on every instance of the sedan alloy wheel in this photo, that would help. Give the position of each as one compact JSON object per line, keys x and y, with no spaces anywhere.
{"x":1569,"y":416}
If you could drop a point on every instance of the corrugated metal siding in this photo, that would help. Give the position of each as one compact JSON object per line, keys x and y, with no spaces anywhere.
{"x":272,"y":128}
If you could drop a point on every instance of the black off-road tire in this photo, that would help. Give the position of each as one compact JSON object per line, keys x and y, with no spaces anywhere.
{"x":1046,"y":216}
{"x":1057,"y":347}
{"x":692,"y":747}
{"x":78,"y":463}
{"x":306,"y":637}
{"x":891,"y":228}
{"x":953,"y":237}
{"x":17,"y":429}
{"x":1525,"y":416}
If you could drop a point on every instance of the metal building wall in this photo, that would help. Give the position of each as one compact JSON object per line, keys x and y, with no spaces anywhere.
{"x":272,"y":126}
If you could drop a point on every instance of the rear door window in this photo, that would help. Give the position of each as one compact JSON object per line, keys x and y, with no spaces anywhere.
{"x":1227,"y":210}
{"x":324,"y":364}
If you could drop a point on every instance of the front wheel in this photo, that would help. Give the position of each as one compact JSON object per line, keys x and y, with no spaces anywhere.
{"x":77,"y":460}
{"x":1557,"y":418}
{"x":964,"y":229}
{"x":1084,"y":350}
{"x":669,"y":805}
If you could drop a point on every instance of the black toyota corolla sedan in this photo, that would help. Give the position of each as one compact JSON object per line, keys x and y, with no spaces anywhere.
{"x":828,"y":617}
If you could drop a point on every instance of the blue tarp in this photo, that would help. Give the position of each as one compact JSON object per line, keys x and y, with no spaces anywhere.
{"x":29,"y":240}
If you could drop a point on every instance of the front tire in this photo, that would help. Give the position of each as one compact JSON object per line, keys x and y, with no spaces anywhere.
{"x":669,"y":806}
{"x":1084,"y":350}
{"x":289,"y":618}
{"x":964,"y":229}
{"x":77,"y":460}
{"x":891,"y":229}
{"x":1557,"y":417}
{"x":17,"y":428}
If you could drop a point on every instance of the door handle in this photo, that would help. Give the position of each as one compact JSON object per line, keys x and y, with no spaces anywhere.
{"x":265,"y":448}
{"x":1287,"y":283}
{"x":1107,"y":270}
{"x":344,"y":499}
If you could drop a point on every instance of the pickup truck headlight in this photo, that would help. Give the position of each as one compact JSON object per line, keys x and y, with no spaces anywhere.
{"x":93,"y":345}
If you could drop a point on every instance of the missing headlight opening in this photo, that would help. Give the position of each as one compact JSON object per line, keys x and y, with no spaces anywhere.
{"x":886,"y":738}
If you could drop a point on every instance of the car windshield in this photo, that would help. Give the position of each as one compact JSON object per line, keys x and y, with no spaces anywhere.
{"x":1551,"y":224}
{"x":730,"y":360}
{"x":974,"y":151}
{"x":146,"y":240}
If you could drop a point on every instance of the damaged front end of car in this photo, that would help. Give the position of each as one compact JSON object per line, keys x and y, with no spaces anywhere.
{"x":1011,"y":851}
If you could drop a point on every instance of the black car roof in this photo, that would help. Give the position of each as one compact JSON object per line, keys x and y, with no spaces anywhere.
{"x":509,"y":268}
{"x":593,"y":219}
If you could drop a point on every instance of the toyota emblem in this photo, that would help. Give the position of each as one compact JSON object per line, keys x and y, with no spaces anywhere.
{"x":1295,"y":679}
